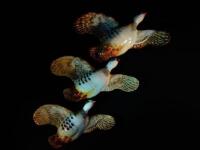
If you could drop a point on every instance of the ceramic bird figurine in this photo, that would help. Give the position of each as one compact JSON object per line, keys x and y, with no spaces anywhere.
{"x":89,"y":82}
{"x":70,"y":125}
{"x":116,"y":40}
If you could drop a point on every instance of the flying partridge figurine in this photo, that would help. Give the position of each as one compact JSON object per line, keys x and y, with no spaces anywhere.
{"x":89,"y":82}
{"x":70,"y":125}
{"x":116,"y":40}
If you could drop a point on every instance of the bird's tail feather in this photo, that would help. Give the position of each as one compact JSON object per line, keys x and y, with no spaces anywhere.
{"x":56,"y":142}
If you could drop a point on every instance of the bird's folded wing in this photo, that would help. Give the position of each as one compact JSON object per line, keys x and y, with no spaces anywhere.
{"x":101,"y":122}
{"x":50,"y":114}
{"x":70,"y":66}
{"x":151,"y":37}
{"x":122,"y":82}
{"x":95,"y":23}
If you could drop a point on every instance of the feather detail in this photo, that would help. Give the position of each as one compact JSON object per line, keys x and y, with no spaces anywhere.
{"x":70,"y":66}
{"x":95,"y":23}
{"x":122,"y":82}
{"x":101,"y":122}
{"x":50,"y":114}
{"x":151,"y":37}
{"x":159,"y":38}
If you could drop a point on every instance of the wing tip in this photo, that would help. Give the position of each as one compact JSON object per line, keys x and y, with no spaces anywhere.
{"x":62,"y":66}
{"x":35,"y":119}
{"x":136,"y":84}
{"x":107,"y":123}
{"x":40,"y":116}
{"x":83,"y":24}
{"x":161,"y":38}
{"x":112,"y":122}
{"x":53,"y":67}
{"x":131,"y":84}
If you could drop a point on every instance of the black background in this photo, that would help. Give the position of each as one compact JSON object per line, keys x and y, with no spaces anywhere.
{"x":163,"y":112}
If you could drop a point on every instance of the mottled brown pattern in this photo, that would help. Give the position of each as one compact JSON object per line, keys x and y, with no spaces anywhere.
{"x":50,"y":114}
{"x":41,"y":117}
{"x":62,"y":66}
{"x":83,"y":24}
{"x":70,"y":66}
{"x":105,"y":53}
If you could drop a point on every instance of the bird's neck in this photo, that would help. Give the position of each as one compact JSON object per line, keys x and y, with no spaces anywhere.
{"x":132,"y":26}
{"x":82,"y":113}
{"x":110,"y":67}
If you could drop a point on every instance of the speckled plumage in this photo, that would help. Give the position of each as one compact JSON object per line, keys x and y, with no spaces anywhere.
{"x":70,"y":125}
{"x":115,"y":40}
{"x":89,"y":82}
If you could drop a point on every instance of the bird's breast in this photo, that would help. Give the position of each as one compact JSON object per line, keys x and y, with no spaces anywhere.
{"x":72,"y":125}
{"x":125,"y":39}
{"x":98,"y":80}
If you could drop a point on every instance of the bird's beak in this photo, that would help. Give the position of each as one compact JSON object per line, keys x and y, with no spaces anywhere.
{"x":144,"y":14}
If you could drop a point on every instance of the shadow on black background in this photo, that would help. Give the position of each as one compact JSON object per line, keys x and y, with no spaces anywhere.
{"x":163,"y":111}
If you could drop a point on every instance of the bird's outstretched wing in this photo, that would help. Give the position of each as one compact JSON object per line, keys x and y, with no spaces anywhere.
{"x":50,"y":114}
{"x":151,"y":37}
{"x":95,"y":23}
{"x":101,"y":122}
{"x":70,"y":66}
{"x":122,"y":82}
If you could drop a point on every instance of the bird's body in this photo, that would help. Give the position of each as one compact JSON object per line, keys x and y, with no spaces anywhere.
{"x":89,"y":82}
{"x":70,"y":125}
{"x":93,"y":84}
{"x":115,"y":40}
{"x":123,"y":41}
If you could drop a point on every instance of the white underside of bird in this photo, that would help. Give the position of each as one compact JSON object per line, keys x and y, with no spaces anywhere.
{"x":99,"y":81}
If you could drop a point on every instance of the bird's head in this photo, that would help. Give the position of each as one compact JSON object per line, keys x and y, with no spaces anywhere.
{"x":139,"y":18}
{"x":112,"y":64}
{"x":88,"y":105}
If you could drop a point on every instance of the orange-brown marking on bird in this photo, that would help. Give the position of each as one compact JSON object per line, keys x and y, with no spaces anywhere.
{"x":137,"y":46}
{"x":108,"y":51}
{"x":83,"y":23}
{"x":57,"y":142}
{"x":75,"y":95}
